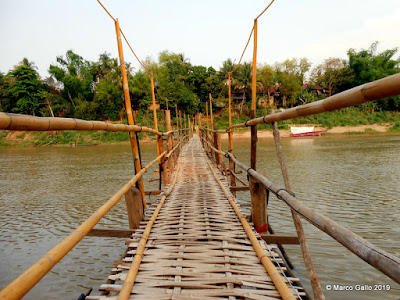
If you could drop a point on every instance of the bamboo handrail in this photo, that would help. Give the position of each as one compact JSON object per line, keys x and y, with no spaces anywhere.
{"x":215,"y":130}
{"x":9,"y":121}
{"x":273,"y":273}
{"x":27,"y":280}
{"x":387,"y":263}
{"x":176,"y":147}
{"x":126,"y":289}
{"x":375,"y":90}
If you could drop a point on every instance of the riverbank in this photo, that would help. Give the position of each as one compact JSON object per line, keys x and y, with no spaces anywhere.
{"x":386,"y":128}
{"x":89,"y":138}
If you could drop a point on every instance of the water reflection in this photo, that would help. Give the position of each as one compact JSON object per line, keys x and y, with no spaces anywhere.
{"x":45,"y":193}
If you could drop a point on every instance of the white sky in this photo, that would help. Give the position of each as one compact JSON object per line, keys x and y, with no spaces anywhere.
{"x":207,"y":32}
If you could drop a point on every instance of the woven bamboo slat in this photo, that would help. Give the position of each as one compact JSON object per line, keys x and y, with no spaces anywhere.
{"x":197,"y":248}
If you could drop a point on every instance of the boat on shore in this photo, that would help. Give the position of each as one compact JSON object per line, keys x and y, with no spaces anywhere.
{"x":296,"y":131}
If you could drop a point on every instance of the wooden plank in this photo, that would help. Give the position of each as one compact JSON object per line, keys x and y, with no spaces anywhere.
{"x":239,"y":188}
{"x":258,"y":205}
{"x":280,"y":239}
{"x":134,"y":205}
{"x":111,"y":232}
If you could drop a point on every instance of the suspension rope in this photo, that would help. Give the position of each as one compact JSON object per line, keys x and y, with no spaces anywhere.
{"x":137,"y":58}
{"x":106,"y":10}
{"x":265,"y":9}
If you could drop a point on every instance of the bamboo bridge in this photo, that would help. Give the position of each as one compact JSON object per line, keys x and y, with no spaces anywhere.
{"x":195,"y":242}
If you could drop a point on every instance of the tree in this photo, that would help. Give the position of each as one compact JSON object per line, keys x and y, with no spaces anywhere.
{"x":78,"y":78}
{"x":25,"y":94}
{"x":332,"y":74}
{"x":369,"y":65}
{"x":290,"y":74}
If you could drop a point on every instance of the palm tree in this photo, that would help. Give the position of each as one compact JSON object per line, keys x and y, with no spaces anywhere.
{"x":244,"y":78}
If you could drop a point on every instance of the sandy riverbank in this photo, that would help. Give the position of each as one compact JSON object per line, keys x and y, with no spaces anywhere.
{"x":21,"y":138}
{"x":266,"y":134}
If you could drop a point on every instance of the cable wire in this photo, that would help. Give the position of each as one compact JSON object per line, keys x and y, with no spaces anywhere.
{"x":106,"y":10}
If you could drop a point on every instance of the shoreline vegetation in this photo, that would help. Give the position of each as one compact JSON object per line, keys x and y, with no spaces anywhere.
{"x":346,"y":125}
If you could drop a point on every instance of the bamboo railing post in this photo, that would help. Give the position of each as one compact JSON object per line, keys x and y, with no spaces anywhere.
{"x":217,"y":155}
{"x":128,"y":106}
{"x":257,"y":191}
{"x":211,"y":113}
{"x":199,"y":124}
{"x":207,"y":115}
{"x":253,"y":101}
{"x":170,"y":139}
{"x":181,"y":129}
{"x":177,"y":122}
{"x":134,"y":205}
{"x":230,"y":136}
{"x":159,"y":139}
{"x":312,"y":274}
{"x":211,"y":136}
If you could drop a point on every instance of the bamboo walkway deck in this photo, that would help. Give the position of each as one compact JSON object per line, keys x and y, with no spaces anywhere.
{"x":197,"y":248}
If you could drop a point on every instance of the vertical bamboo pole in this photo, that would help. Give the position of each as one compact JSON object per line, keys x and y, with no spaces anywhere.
{"x":153,"y":98}
{"x":170,"y":139}
{"x":257,"y":191}
{"x":207,"y":115}
{"x":177,"y":122}
{"x":134,"y":141}
{"x":180,"y":125}
{"x":312,"y":274}
{"x":211,"y":113}
{"x":211,"y":136}
{"x":159,"y":139}
{"x":230,"y":135}
{"x":253,"y":101}
{"x":199,"y":124}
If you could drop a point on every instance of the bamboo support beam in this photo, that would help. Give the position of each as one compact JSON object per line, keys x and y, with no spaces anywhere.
{"x":312,"y":273}
{"x":387,"y":263}
{"x":27,"y":280}
{"x":375,"y":90}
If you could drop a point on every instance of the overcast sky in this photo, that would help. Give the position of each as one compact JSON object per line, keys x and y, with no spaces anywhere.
{"x":207,"y":32}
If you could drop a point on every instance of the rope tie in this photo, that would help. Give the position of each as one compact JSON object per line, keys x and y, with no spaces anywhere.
{"x":289,"y":192}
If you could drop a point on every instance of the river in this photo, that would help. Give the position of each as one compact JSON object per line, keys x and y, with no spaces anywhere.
{"x":46,"y":192}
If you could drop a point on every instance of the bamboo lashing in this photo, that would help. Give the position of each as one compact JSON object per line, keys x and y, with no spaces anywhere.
{"x":381,"y":260}
{"x":375,"y":90}
{"x":27,"y":280}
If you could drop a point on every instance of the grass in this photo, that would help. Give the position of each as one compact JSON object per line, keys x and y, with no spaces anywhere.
{"x":351,"y":116}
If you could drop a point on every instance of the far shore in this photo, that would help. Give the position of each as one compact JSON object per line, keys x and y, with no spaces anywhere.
{"x":12,"y":138}
{"x":335,"y":131}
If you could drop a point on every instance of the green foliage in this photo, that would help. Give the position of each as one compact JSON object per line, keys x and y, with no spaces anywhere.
{"x":93,"y":90}
{"x":369,"y":65}
{"x":24,"y":92}
{"x":290,"y":75}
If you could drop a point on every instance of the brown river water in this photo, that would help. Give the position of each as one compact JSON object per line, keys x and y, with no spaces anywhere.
{"x":45,"y":193}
